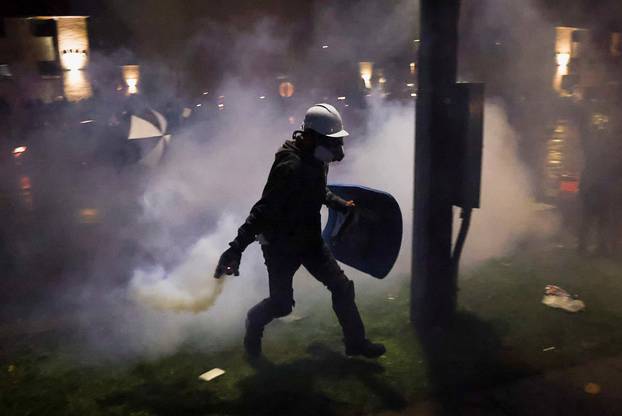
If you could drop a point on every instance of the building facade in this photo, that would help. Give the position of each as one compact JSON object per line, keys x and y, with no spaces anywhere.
{"x":43,"y":59}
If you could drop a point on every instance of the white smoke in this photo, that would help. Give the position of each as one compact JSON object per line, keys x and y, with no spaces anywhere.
{"x":509,"y":212}
{"x":221,"y":179}
{"x":193,"y":206}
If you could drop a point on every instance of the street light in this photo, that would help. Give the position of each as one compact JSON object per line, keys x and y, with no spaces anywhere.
{"x":131,"y":75}
{"x":19,"y":150}
{"x":286,"y":89}
{"x":366,"y":71}
{"x":562,"y":59}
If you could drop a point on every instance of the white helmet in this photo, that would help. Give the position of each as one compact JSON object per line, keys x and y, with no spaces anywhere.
{"x":324,"y":119}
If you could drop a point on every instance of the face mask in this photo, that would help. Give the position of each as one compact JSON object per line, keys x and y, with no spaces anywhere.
{"x":323,"y":154}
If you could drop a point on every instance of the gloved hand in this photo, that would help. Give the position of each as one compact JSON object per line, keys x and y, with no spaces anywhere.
{"x":345,"y":207}
{"x":229,"y":263}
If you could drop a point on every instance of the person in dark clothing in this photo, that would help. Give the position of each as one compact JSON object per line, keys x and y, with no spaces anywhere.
{"x":599,"y":180}
{"x":286,"y":221}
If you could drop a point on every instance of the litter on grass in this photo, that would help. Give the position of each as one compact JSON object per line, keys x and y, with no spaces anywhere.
{"x":556,"y":297}
{"x":212,"y":374}
{"x":291,"y":318}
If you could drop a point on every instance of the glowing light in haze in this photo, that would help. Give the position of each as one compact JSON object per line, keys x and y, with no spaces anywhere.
{"x":366,"y":70}
{"x":73,"y":61}
{"x":18,"y":151}
{"x":563,"y":59}
{"x":132,"y":85}
{"x":131,"y":75}
{"x":286,"y":89}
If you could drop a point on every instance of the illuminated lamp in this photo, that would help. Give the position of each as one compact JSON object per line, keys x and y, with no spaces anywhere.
{"x":132,"y":85}
{"x":18,"y":151}
{"x":286,"y":89}
{"x":88,"y":216}
{"x":366,"y":70}
{"x":131,"y":75}
{"x":562,"y":59}
{"x":73,"y":59}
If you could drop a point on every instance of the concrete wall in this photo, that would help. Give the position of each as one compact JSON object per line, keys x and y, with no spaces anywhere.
{"x":73,"y":42}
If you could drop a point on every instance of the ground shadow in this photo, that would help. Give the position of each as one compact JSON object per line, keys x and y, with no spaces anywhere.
{"x":292,"y":388}
{"x":472,"y":373}
{"x":274,"y":389}
{"x":465,"y":356}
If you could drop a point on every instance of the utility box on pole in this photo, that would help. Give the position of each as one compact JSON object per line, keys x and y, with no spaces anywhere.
{"x":467,"y":119}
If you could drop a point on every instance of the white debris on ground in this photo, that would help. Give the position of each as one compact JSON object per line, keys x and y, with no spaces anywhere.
{"x":556,"y":297}
{"x":212,"y":374}
{"x":291,"y":318}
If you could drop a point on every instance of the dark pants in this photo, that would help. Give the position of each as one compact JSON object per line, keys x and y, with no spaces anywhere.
{"x":282,"y":263}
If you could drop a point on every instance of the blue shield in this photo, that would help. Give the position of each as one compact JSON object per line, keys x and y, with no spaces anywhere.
{"x":368,"y":237}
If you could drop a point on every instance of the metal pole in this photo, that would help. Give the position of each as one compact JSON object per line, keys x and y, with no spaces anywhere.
{"x":433,"y":286}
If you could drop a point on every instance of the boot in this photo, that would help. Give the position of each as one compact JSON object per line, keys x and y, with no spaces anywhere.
{"x":366,"y":348}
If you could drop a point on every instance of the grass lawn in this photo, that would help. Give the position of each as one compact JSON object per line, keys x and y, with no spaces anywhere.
{"x":502,"y":332}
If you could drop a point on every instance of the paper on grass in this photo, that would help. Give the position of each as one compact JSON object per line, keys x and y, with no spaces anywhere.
{"x":563,"y":302}
{"x":291,"y":318}
{"x":212,"y":374}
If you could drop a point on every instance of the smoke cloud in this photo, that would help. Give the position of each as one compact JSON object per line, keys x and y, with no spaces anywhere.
{"x":194,"y":204}
{"x":191,"y":206}
{"x":383,"y":159}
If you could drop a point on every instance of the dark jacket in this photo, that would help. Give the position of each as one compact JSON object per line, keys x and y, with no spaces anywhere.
{"x":288,"y":213}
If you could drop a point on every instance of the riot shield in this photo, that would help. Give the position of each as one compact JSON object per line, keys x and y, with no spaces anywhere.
{"x":369,"y":236}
